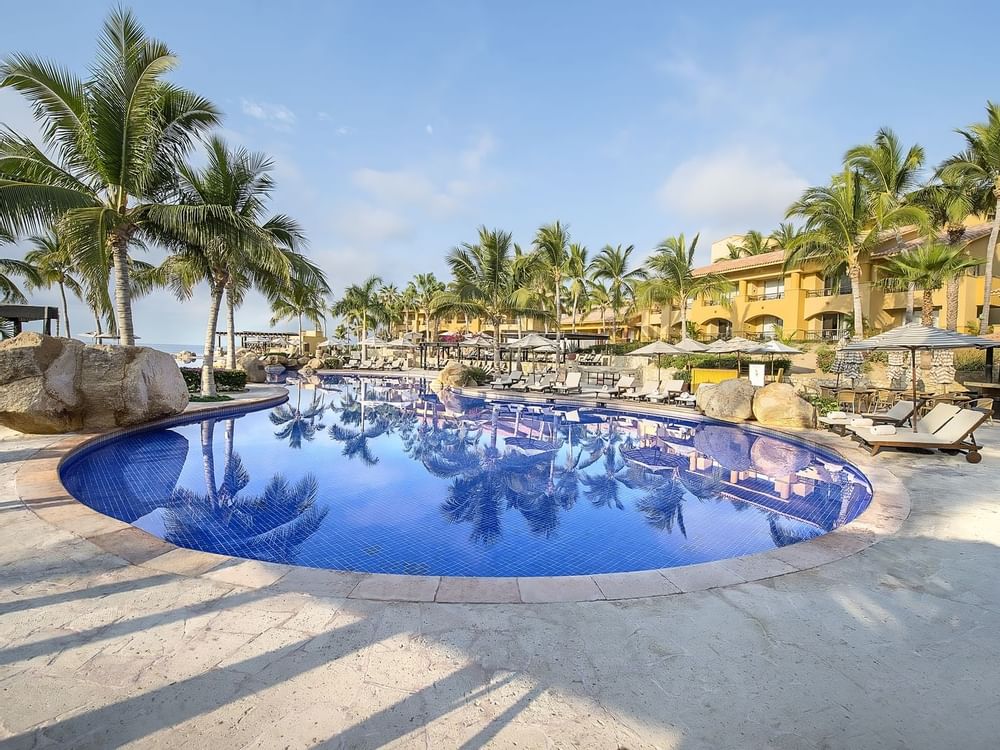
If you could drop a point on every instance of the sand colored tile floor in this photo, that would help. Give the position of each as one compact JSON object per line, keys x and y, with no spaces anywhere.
{"x":897,"y":646}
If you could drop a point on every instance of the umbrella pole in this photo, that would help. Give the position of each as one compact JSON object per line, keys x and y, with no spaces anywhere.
{"x":913,"y":381}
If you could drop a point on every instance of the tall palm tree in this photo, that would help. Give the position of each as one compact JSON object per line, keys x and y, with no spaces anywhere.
{"x":598,"y":298}
{"x":115,"y":139}
{"x":670,"y":269}
{"x":52,"y":261}
{"x":426,"y":287}
{"x":752,"y":243}
{"x":891,"y":174}
{"x":948,"y":203}
{"x":784,"y":235}
{"x":297,"y":300}
{"x":236,"y":183}
{"x":390,"y":298}
{"x":361,"y":302}
{"x":929,"y":267}
{"x":9,"y":291}
{"x":486,"y":283}
{"x":577,"y":278}
{"x":979,"y":166}
{"x":552,"y":255}
{"x":843,"y":224}
{"x":612,"y":265}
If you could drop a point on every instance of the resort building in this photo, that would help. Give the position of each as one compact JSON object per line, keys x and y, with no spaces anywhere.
{"x":805,"y":304}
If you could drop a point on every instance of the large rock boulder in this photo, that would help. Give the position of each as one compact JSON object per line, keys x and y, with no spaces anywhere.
{"x":52,"y":385}
{"x":252,"y":366}
{"x":779,"y":405}
{"x":731,"y":400}
{"x":453,"y":375}
{"x":315,"y":363}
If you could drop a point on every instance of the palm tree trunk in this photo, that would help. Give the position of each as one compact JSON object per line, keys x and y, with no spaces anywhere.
{"x":123,"y":289}
{"x":927,"y":307}
{"x":952,"y":300}
{"x":991,"y":250}
{"x":854,"y":272}
{"x":364,"y":335}
{"x":911,"y":293}
{"x":230,"y":330}
{"x":301,"y":348}
{"x":97,"y":320}
{"x":558,"y":322}
{"x":496,"y":345}
{"x":62,"y":293}
{"x":208,"y":356}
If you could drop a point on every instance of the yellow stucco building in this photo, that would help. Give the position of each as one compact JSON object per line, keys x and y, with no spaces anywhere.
{"x":805,"y":304}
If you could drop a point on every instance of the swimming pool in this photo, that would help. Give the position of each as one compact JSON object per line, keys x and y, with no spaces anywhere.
{"x":380,"y":475}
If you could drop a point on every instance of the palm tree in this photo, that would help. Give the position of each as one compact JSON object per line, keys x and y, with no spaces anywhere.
{"x":843,"y":224}
{"x":241,"y":252}
{"x":928,"y":267}
{"x":486,"y":283}
{"x":426,"y":287}
{"x":891,"y":175}
{"x":552,"y":255}
{"x":784,"y":235}
{"x":611,"y":265}
{"x":390,"y":298}
{"x":9,"y":291}
{"x":577,"y":277}
{"x":948,"y":203}
{"x":598,"y":297}
{"x":670,"y":269}
{"x":298,"y":424}
{"x":979,"y":166}
{"x":115,"y":139}
{"x":297,"y":300}
{"x":361,"y":302}
{"x":752,"y":243}
{"x":52,"y":261}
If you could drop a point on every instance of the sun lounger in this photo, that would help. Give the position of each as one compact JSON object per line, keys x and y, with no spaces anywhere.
{"x":638,"y":394}
{"x":956,"y":434}
{"x":610,"y":391}
{"x":543,"y":385}
{"x":900,"y":412}
{"x":668,"y":391}
{"x":571,"y":385}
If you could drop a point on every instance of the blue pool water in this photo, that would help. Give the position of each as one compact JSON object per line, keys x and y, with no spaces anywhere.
{"x":380,"y":475}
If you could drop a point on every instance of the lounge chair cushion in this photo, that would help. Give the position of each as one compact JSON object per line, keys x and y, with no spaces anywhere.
{"x":883,"y":429}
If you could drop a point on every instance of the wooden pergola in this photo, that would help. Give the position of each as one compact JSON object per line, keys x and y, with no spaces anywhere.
{"x":21,"y":314}
{"x":259,"y":341}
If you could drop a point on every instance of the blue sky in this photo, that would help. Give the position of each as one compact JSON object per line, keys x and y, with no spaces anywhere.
{"x":399,"y":127}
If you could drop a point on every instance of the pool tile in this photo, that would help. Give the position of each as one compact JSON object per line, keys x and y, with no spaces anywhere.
{"x":396,"y":588}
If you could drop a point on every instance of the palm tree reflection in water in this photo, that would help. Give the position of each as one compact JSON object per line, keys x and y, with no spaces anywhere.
{"x":298,"y":424}
{"x":267,"y":526}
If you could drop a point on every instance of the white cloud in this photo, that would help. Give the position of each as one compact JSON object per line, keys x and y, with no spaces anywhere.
{"x":472,"y":157}
{"x":733,"y":189}
{"x":276,"y":115}
{"x":370,"y":226}
{"x":429,"y":129}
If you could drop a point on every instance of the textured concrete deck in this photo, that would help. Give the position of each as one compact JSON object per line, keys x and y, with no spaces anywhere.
{"x":895,"y":646}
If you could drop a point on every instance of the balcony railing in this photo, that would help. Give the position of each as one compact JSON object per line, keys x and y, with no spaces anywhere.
{"x":832,"y":292}
{"x":765,"y":296}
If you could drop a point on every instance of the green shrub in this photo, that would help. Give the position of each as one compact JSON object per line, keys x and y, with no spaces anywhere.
{"x":970,"y":360}
{"x":825,"y":355}
{"x":225,"y":380}
{"x":823,"y":405}
{"x":333,"y":363}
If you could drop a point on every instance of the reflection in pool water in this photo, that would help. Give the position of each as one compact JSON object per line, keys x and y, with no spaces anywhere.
{"x":380,"y":475}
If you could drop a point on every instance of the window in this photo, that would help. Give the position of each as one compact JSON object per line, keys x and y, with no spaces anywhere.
{"x":725,"y":329}
{"x":839,"y":283}
{"x":833,"y":326}
{"x":769,"y":326}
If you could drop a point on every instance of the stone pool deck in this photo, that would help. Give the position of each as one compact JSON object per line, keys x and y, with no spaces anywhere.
{"x":893,"y":646}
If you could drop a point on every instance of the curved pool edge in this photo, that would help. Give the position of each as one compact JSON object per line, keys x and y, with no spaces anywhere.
{"x":39,"y":487}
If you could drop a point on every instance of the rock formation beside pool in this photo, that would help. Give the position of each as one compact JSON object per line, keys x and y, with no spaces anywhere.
{"x":453,"y":375}
{"x":52,"y":385}
{"x":730,"y":399}
{"x":252,"y":366}
{"x":779,"y":405}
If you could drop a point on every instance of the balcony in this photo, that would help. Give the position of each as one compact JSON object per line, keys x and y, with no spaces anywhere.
{"x":826,"y":292}
{"x":765,"y":297}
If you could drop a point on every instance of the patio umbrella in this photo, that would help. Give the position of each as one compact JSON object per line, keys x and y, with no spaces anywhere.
{"x":530,"y":341}
{"x":691,"y":346}
{"x":736,"y":345}
{"x":400,"y":343}
{"x":773,"y":347}
{"x":657,"y":349}
{"x":846,"y":362}
{"x":914,"y":336}
{"x":334,"y":341}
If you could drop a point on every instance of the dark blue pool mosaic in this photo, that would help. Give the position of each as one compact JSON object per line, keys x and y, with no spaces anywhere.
{"x":381,"y":475}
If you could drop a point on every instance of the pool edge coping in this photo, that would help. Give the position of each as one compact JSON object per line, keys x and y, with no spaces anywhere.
{"x":39,"y":488}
